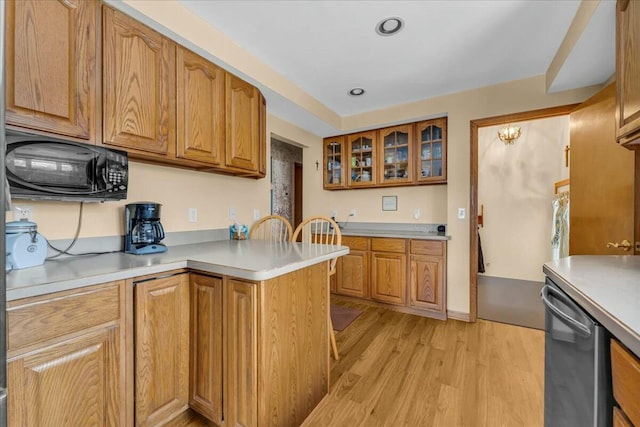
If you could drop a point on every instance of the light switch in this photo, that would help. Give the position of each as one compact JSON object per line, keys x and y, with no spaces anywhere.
{"x":461,"y":213}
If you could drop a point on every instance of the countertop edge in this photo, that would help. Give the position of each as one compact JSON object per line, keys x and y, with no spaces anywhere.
{"x":395,"y":235}
{"x":620,"y":331}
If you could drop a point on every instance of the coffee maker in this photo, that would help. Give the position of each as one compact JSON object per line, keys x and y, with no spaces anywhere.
{"x":143,"y":231}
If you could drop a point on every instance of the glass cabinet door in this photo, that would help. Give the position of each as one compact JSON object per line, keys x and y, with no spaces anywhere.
{"x":334,"y":170}
{"x":362,"y":161}
{"x":431,"y":151}
{"x":395,"y":155}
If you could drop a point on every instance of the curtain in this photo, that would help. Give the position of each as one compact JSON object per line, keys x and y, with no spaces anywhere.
{"x":560,"y":226}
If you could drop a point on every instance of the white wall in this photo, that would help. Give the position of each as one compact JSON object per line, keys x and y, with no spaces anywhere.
{"x":516,"y":187}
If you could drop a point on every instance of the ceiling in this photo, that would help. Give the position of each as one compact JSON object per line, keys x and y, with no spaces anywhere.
{"x":328,"y":47}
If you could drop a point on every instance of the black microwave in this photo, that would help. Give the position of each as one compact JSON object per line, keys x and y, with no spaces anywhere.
{"x":40,"y":168}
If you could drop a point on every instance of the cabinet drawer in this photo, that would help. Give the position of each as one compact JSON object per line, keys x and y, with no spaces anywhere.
{"x":427,"y":247}
{"x":41,"y":318}
{"x":388,"y":245}
{"x":356,"y":243}
{"x":625,"y":370}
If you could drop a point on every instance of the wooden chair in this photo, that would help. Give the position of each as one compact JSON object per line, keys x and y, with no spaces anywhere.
{"x":271,"y":227}
{"x":324,"y":231}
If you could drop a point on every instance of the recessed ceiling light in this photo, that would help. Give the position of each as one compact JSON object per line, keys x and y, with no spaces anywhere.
{"x":389,"y":26}
{"x":356,"y":91}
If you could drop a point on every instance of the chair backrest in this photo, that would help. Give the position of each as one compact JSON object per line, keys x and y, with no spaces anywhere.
{"x":321,"y":230}
{"x":271,"y":227}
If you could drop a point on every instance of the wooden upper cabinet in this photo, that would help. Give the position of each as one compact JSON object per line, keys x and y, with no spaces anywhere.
{"x":628,"y":72}
{"x":51,"y":75}
{"x":431,"y":151}
{"x":137,"y":86}
{"x":262,"y":161}
{"x":200,"y":118}
{"x":361,"y":164}
{"x":335,"y":155}
{"x":243,"y":124}
{"x":395,"y":155}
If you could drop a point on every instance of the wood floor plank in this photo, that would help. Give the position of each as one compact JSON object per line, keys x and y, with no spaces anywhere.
{"x":402,"y":370}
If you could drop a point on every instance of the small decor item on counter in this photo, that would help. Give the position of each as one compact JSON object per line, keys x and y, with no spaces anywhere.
{"x":25,"y":246}
{"x":238,"y":232}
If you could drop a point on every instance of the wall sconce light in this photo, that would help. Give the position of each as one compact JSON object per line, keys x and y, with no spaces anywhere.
{"x":509,"y":134}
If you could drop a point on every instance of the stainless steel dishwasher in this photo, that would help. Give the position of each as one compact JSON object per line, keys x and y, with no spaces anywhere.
{"x":577,"y":367}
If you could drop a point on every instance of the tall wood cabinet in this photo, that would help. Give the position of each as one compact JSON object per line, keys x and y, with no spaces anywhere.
{"x":205,"y":387}
{"x":427,"y":274}
{"x":161,"y":348}
{"x":628,"y":72}
{"x":201,"y":116}
{"x":66,"y":358}
{"x":137,"y":86}
{"x":51,"y":71}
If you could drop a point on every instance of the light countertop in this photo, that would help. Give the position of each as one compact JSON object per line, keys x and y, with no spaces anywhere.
{"x":400,"y":234}
{"x":607,"y":287}
{"x":253,"y":260}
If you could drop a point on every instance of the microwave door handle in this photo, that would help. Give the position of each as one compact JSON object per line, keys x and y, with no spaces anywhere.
{"x":580,"y":328}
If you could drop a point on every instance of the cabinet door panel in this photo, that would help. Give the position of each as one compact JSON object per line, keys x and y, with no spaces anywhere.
{"x":243,"y":125}
{"x":51,"y":66}
{"x":395,"y":155}
{"x":628,"y":71}
{"x":389,"y":277}
{"x":206,"y":347}
{"x":353,"y":274}
{"x":334,"y":162}
{"x":241,"y":400}
{"x":200,"y":95}
{"x":137,"y":86}
{"x":161,"y":348}
{"x":427,"y":282}
{"x":74,"y":383}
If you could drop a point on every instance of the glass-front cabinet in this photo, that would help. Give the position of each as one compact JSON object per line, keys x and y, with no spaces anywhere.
{"x":431,"y":151}
{"x":334,"y":166}
{"x":362,"y":166}
{"x":395,"y":148}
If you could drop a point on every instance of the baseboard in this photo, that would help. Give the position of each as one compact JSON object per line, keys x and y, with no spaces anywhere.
{"x":458,"y":315}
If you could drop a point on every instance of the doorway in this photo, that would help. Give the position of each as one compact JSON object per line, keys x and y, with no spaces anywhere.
{"x":286,"y":180}
{"x":495,"y":295}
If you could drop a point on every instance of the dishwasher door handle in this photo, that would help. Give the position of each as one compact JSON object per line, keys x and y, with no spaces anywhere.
{"x":580,"y":328}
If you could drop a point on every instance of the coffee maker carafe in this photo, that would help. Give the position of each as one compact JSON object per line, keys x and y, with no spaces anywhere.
{"x":143,"y":230}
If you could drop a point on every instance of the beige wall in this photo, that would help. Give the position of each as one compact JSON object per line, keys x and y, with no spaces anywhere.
{"x":516,"y":187}
{"x":438,"y":203}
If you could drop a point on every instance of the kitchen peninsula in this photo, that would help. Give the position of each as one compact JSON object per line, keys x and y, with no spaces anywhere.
{"x":236,"y":331}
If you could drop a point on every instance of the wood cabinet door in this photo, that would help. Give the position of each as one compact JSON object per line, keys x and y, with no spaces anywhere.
{"x":206,"y":347}
{"x":77,"y":382}
{"x":602,"y":180}
{"x":431,"y":151}
{"x":395,"y":155}
{"x":353,"y":274}
{"x":361,"y":159}
{"x":388,"y":277}
{"x":51,"y":75}
{"x":426,"y":286}
{"x":138,"y":87}
{"x":200,"y":116}
{"x":241,"y":361}
{"x":243,"y":124}
{"x":161,"y":348}
{"x":262,"y":138}
{"x":335,"y":155}
{"x":628,"y":71}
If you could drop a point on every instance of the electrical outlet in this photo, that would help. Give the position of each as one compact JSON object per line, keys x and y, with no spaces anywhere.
{"x":256,"y":214}
{"x":232,"y":214}
{"x":193,"y":215}
{"x":416,"y":214}
{"x":352,"y":213}
{"x":23,"y":212}
{"x":461,"y":213}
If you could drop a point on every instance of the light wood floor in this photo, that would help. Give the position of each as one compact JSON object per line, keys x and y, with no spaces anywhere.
{"x":402,"y":370}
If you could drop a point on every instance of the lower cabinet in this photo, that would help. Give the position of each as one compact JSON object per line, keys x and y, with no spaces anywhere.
{"x":66,"y":358}
{"x":377,"y":269}
{"x":161,"y":348}
{"x":205,"y":387}
{"x":625,"y":371}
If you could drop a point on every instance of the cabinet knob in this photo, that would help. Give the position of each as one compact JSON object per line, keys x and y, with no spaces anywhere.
{"x":625,"y":245}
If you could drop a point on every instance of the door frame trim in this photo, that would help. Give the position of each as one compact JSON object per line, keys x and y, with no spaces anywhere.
{"x":473,"y":196}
